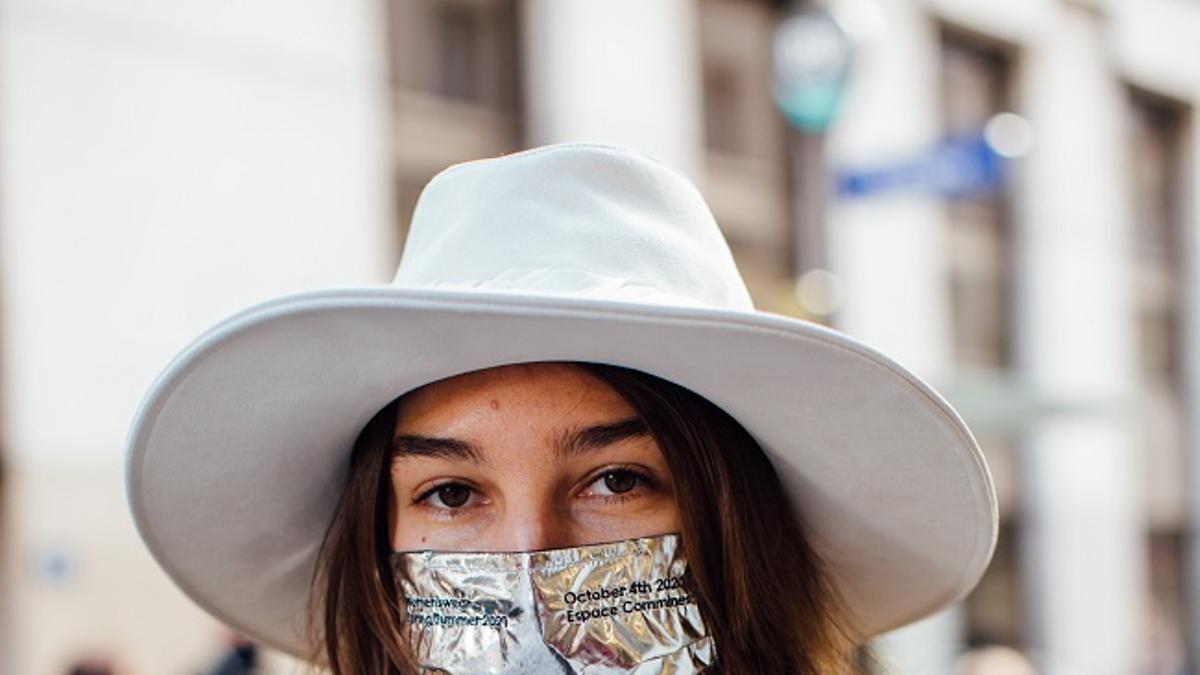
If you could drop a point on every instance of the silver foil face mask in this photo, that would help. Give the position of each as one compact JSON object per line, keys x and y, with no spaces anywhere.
{"x":609,"y":608}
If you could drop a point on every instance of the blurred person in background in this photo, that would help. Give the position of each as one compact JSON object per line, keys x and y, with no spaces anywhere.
{"x":562,"y":439}
{"x":92,"y":665}
{"x":994,"y":660}
{"x":240,"y":658}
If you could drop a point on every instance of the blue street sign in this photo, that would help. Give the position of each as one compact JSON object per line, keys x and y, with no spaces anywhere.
{"x":955,"y":168}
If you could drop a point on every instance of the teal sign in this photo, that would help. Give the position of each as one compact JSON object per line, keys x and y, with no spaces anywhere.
{"x":812,"y":56}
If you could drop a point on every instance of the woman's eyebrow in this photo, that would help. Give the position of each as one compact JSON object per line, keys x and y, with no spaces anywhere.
{"x":429,"y":446}
{"x":568,"y":443}
{"x":599,"y":435}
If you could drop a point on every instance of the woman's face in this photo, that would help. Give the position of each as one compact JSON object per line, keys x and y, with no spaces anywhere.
{"x":522,"y":458}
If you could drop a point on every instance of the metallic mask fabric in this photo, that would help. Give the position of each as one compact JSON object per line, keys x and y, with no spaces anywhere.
{"x":620,"y":607}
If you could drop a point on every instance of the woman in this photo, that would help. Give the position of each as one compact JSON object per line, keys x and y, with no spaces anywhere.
{"x":562,"y":440}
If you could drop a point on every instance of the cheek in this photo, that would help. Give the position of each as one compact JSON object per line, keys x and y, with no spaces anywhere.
{"x":653,"y":517}
{"x":415,"y":532}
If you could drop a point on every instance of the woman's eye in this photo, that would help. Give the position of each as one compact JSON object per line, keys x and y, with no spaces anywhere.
{"x":448,"y":496}
{"x":615,"y":482}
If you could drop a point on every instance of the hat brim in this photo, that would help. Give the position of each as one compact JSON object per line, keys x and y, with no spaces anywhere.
{"x":238,"y":452}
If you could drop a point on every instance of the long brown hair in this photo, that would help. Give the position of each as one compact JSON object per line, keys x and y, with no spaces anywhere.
{"x":762,"y":587}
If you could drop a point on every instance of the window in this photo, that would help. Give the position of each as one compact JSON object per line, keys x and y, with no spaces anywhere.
{"x":459,"y":50}
{"x":976,"y":78}
{"x":995,"y":607}
{"x":746,"y":182}
{"x":975,"y":87}
{"x":459,"y":32}
{"x":721,"y":128}
{"x":1155,"y":134}
{"x":456,"y":92}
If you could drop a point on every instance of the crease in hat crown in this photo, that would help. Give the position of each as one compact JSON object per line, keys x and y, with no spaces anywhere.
{"x":584,"y":220}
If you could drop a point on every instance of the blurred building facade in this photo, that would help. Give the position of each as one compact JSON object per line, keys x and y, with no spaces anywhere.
{"x":162,"y":165}
{"x":1055,"y":303}
{"x":1051,"y":305}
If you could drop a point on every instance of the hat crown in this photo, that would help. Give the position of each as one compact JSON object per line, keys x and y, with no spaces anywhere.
{"x":571,"y":219}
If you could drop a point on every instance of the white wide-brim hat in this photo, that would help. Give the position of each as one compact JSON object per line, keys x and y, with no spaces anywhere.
{"x":571,"y":252}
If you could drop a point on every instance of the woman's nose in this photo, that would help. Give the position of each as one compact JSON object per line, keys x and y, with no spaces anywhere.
{"x":532,"y":525}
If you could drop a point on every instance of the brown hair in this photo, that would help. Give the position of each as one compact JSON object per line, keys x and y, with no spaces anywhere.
{"x":762,"y":588}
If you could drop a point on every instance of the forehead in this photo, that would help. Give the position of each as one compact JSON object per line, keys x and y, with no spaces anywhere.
{"x":544,"y":388}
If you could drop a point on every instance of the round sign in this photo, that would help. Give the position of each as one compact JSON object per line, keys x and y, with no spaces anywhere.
{"x":812,"y":56}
